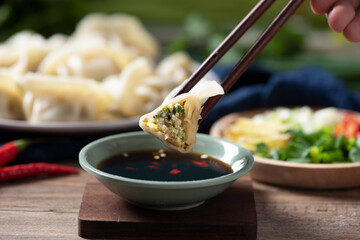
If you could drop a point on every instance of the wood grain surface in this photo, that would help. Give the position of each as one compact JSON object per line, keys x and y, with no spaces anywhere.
{"x":48,"y":208}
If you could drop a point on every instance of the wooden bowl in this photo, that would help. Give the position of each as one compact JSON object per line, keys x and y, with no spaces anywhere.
{"x":300,"y":175}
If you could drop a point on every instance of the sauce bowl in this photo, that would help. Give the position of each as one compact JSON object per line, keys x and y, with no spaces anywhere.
{"x":165,"y":195}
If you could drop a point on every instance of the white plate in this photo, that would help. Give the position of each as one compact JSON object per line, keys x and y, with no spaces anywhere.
{"x":70,"y":127}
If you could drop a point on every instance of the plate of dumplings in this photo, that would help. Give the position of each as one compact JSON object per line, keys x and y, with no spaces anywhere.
{"x":102,"y":77}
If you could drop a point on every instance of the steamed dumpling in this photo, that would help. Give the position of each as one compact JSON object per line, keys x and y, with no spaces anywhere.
{"x":179,"y":66}
{"x":56,"y":99}
{"x":121,"y":27}
{"x":10,"y":98}
{"x":24,"y":51}
{"x":175,"y":121}
{"x":138,"y":89}
{"x":93,"y":57}
{"x":141,"y":87}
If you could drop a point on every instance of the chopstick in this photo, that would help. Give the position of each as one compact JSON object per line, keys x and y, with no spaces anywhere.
{"x":252,"y":53}
{"x":225,"y":46}
{"x":248,"y":57}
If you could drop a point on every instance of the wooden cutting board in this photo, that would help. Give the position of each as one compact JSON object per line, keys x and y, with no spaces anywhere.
{"x":230,"y":215}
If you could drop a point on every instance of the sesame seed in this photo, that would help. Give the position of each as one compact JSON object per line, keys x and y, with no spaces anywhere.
{"x":204,"y":156}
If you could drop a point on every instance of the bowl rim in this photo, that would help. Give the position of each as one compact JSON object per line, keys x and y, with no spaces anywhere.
{"x":281,"y":163}
{"x":249,"y":162}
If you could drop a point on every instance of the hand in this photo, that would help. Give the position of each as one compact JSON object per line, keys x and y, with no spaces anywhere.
{"x":342,"y":15}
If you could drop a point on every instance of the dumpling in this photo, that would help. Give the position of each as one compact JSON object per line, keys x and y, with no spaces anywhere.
{"x":57,"y":99}
{"x":25,"y":50}
{"x":178,"y":66}
{"x":121,"y":27}
{"x":175,"y":121}
{"x":138,"y":89}
{"x":93,"y":57}
{"x":10,"y":99}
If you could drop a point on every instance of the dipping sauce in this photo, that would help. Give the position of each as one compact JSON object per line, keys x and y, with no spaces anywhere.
{"x":162,"y":165}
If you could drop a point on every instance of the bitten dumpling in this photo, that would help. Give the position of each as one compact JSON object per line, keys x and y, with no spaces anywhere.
{"x":175,"y":121}
{"x":56,"y":99}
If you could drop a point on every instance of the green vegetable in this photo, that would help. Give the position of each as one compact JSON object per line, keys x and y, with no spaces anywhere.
{"x":354,"y":154}
{"x":276,"y":154}
{"x":164,"y":113}
{"x":340,"y":142}
{"x":317,"y":147}
{"x":358,"y":141}
{"x":178,"y":109}
{"x":262,"y":149}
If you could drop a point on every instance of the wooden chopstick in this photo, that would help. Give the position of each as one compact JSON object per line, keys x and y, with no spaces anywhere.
{"x":224,"y":47}
{"x":253,"y":52}
{"x":249,"y":56}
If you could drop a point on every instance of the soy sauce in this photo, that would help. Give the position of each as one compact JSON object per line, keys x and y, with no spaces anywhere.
{"x":162,"y":165}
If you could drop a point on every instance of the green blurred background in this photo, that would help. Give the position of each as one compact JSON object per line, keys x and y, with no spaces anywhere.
{"x":198,"y":27}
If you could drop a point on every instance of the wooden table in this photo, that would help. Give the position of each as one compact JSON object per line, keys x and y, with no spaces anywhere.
{"x":47,"y":208}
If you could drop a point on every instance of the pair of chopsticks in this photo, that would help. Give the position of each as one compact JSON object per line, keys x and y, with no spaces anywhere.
{"x":248,"y":57}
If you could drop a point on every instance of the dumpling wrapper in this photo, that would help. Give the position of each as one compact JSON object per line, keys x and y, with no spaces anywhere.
{"x":175,"y":121}
{"x":10,"y":98}
{"x":24,"y":51}
{"x":94,"y":57}
{"x":137,"y":89}
{"x":59,"y":99}
{"x":178,"y":66}
{"x":124,"y":27}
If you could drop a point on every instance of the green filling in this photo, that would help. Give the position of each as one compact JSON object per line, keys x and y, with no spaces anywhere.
{"x":172,"y":119}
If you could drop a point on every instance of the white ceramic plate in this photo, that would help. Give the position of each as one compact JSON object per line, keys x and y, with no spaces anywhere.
{"x":69,"y":127}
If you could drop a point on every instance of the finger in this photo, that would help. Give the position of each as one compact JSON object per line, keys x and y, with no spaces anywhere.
{"x":321,"y":6}
{"x":342,"y":14}
{"x":352,"y":31}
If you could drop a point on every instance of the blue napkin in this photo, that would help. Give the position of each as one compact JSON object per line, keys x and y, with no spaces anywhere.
{"x":308,"y":86}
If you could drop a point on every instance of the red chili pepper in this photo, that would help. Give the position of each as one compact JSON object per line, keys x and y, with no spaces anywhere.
{"x":349,"y":126}
{"x":34,"y":169}
{"x":10,"y":150}
{"x":153,"y":167}
{"x":200,"y":163}
{"x":175,"y":171}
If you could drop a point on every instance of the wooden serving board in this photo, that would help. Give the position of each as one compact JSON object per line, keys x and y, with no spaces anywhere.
{"x":230,"y":215}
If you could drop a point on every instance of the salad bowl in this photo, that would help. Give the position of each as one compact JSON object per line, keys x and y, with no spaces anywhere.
{"x":294,"y":174}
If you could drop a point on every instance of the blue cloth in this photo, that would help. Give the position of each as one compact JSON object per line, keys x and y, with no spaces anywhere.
{"x":309,"y":86}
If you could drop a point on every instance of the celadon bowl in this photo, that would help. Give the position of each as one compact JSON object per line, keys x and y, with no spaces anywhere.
{"x":164,"y":195}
